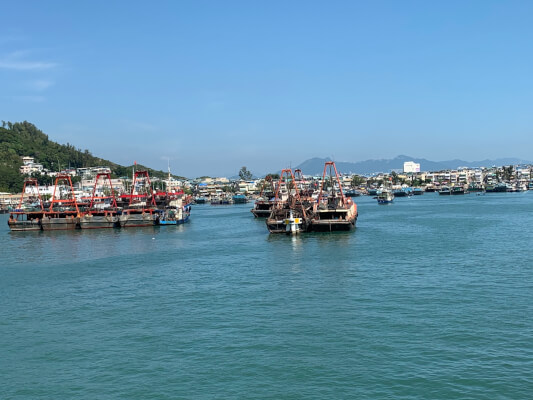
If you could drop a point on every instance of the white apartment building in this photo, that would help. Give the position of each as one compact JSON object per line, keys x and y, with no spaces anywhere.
{"x":411,"y":166}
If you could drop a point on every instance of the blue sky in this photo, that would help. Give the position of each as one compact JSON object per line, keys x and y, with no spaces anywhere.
{"x":215,"y":85}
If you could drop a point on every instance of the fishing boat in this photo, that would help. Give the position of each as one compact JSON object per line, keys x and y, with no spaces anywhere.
{"x":141,"y":210}
{"x":332,"y":210}
{"x":102,"y":211}
{"x":63,"y":213}
{"x":28,"y":214}
{"x":223,"y":200}
{"x":385,"y":197}
{"x":176,"y":213}
{"x":457,"y":190}
{"x":239,"y":199}
{"x":177,"y":205}
{"x":264,"y":203}
{"x":285,"y":214}
{"x":352,"y":193}
{"x":498,"y":188}
{"x":445,"y":190}
{"x":400,"y":193}
{"x":475,"y":187}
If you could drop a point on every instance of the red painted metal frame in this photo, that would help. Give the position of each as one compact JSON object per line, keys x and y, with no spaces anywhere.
{"x":290,"y":178}
{"x":64,"y":178}
{"x":298,"y":174}
{"x":108,"y":176}
{"x":145,"y":175}
{"x":331,"y":164}
{"x":36,"y":184}
{"x":268,"y":179}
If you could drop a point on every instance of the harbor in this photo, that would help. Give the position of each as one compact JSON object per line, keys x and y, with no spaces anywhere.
{"x":163,"y":300}
{"x":290,"y":203}
{"x":104,"y":209}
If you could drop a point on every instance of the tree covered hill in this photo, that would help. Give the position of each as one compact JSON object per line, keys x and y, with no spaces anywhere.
{"x":24,"y":139}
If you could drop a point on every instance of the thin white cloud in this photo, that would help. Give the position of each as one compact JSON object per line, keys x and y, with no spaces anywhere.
{"x":39,"y":85}
{"x":19,"y":61}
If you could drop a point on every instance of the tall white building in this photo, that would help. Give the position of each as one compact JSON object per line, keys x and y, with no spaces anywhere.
{"x":410,"y":166}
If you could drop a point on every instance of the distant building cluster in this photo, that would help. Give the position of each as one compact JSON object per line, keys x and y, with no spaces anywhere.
{"x":517,"y":177}
{"x":29,"y":166}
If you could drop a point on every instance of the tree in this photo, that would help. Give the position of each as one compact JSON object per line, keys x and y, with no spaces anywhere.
{"x":244,"y":174}
{"x":356,"y":181}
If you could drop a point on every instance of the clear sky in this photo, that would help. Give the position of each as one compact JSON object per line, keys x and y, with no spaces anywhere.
{"x":215,"y":85}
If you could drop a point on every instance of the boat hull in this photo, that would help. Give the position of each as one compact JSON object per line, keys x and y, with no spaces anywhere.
{"x":261,"y":213}
{"x":331,"y":225}
{"x":19,"y":226}
{"x":332,"y":220}
{"x":99,"y":221}
{"x":174,"y":222}
{"x":137,"y":220}
{"x":59,"y":223}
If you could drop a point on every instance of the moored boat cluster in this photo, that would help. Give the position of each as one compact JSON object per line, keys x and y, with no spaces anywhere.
{"x":295,"y":207}
{"x":142,"y":207}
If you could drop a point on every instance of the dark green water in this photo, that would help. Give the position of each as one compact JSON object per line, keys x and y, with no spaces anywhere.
{"x":430,"y":298}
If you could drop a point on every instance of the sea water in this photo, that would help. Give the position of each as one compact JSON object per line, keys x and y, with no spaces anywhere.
{"x":429,"y":298}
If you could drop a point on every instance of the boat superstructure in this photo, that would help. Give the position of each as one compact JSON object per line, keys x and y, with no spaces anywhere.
{"x":141,"y":210}
{"x":385,"y":196}
{"x":29,"y":212}
{"x":289,"y":216}
{"x":103,"y":211}
{"x":332,"y":211}
{"x":63,"y":213}
{"x":177,"y":206}
{"x":263,"y":205}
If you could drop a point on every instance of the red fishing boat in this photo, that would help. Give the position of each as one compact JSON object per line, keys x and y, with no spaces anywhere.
{"x":28,"y":214}
{"x":63,"y":213}
{"x":141,"y":209}
{"x":288,"y":216}
{"x":266,"y":200}
{"x":103,"y":211}
{"x":332,"y":211}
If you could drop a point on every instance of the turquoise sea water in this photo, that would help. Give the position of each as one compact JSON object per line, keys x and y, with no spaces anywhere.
{"x":429,"y":298}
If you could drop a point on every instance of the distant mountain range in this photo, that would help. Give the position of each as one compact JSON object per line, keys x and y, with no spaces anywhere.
{"x":315,"y":166}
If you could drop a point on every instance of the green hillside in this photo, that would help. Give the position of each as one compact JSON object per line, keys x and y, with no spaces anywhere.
{"x":24,"y":139}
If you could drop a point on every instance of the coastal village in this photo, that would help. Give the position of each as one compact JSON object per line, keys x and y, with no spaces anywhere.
{"x":291,"y":202}
{"x":223,"y":190}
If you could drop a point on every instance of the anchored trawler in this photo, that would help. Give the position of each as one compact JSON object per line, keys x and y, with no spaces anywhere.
{"x":28,"y":214}
{"x":141,"y":210}
{"x":288,"y":216}
{"x":102,"y":211}
{"x":66,"y":214}
{"x":332,"y":210}
{"x":263,"y":205}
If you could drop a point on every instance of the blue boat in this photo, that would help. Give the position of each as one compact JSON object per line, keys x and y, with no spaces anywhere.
{"x":174,"y":214}
{"x":352,"y":193}
{"x":240,"y":199}
{"x":385,"y":197}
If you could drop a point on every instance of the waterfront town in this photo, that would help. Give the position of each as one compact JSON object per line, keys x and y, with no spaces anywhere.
{"x":511,"y":178}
